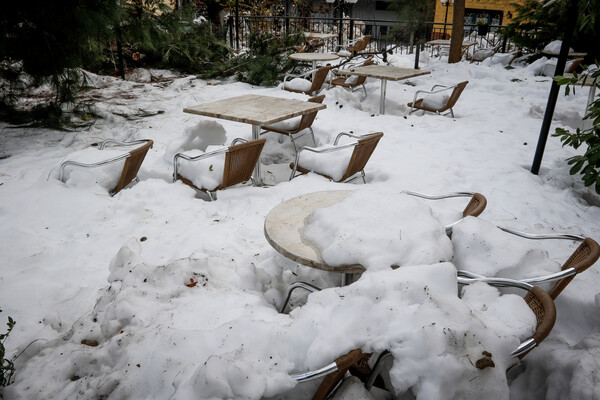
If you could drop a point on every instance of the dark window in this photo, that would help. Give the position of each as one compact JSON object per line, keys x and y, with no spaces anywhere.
{"x":381,"y":5}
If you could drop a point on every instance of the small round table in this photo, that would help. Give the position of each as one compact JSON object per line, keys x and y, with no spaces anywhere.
{"x":314,"y":57}
{"x":284,"y":227}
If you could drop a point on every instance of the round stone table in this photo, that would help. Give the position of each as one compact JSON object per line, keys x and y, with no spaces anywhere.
{"x":284,"y":227}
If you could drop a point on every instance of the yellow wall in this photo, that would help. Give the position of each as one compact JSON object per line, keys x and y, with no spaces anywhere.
{"x":505,"y":6}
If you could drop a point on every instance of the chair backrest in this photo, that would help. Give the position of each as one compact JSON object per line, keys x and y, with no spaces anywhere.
{"x":240,"y":161}
{"x":132,"y":166}
{"x":307,"y":119}
{"x":582,"y":258}
{"x":361,"y":154}
{"x":476,"y":205}
{"x":455,"y":95}
{"x":361,"y":79}
{"x":544,"y":309}
{"x":319,"y":78}
{"x":573,"y":64}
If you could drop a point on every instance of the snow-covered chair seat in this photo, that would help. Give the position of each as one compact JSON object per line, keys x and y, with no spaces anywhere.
{"x":218,"y":169}
{"x":90,"y":158}
{"x":549,"y":67}
{"x":300,"y":83}
{"x":294,"y":127}
{"x":339,"y":163}
{"x":584,"y":256}
{"x":357,"y":363}
{"x":439,"y":99}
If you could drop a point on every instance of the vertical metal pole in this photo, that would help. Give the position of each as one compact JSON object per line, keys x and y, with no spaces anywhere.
{"x":417,"y":55}
{"x":237,"y":25}
{"x":287,"y":17}
{"x":446,"y":19}
{"x":554,"y":89}
{"x":338,"y":3}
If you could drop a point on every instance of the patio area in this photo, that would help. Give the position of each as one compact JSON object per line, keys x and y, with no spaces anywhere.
{"x":180,"y":295}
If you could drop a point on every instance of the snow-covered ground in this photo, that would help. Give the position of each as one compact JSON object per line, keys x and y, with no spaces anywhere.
{"x":181,"y":294}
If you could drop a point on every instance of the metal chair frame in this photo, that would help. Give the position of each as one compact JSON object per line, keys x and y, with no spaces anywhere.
{"x":566,"y":274}
{"x":211,"y":193}
{"x":415,"y":105}
{"x":101,"y":146}
{"x":350,"y":174}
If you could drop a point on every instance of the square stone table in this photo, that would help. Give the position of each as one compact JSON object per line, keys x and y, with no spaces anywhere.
{"x":255,"y":110}
{"x":385,"y":73}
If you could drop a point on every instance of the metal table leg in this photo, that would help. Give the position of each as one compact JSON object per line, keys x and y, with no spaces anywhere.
{"x":382,"y":97}
{"x":257,"y":173}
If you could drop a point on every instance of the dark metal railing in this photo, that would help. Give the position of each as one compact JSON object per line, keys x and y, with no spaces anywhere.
{"x":384,"y":33}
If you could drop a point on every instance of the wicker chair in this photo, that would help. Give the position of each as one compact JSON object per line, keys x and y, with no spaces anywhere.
{"x":584,"y":256}
{"x":240,"y":160}
{"x":356,"y":362}
{"x":363,"y":148}
{"x":359,"y":80}
{"x":356,"y":46}
{"x":417,"y":104}
{"x":305,"y":124}
{"x":318,"y":75}
{"x":133,"y":161}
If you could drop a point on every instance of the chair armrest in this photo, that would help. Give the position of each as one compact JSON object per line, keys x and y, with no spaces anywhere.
{"x":303,"y":75}
{"x":196,"y":158}
{"x":238,"y":140}
{"x":542,"y":236}
{"x":84,"y":165}
{"x":352,"y":135}
{"x":103,"y":144}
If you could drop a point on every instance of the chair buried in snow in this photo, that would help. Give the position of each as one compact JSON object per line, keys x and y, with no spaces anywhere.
{"x":337,"y":162}
{"x":356,"y":363}
{"x":133,"y":161}
{"x":294,"y":127}
{"x":584,"y":256}
{"x":300,"y":83}
{"x":238,"y":161}
{"x":441,"y":98}
{"x":353,"y":81}
{"x":354,"y":47}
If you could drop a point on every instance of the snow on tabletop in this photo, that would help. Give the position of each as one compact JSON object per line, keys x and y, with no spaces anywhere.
{"x":107,"y":176}
{"x":554,"y":47}
{"x":57,"y":243}
{"x":483,"y":248}
{"x":300,"y":84}
{"x":378,"y":230}
{"x":333,"y":164}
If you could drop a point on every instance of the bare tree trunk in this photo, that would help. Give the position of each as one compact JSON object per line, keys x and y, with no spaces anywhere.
{"x":458,"y":21}
{"x":411,"y":42}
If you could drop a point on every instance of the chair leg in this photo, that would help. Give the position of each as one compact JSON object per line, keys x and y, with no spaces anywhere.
{"x":363,"y":176}
{"x":294,"y":286}
{"x":212,"y":196}
{"x":280,"y":139}
{"x":313,"y":136}
{"x":451,"y":113}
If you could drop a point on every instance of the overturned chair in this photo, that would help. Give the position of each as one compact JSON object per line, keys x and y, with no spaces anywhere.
{"x":238,"y":161}
{"x":346,"y":165}
{"x":133,"y":161}
{"x":439,"y":99}
{"x":296,"y":128}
